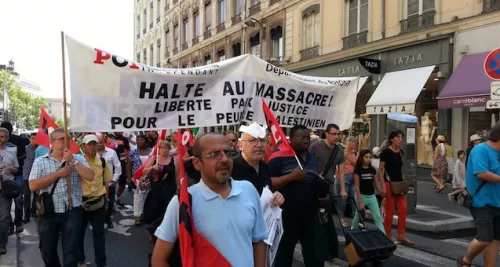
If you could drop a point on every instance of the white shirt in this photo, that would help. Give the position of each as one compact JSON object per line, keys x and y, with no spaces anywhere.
{"x":113,"y":162}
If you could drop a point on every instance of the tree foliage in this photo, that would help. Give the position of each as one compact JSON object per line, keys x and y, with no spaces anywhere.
{"x":24,"y":110}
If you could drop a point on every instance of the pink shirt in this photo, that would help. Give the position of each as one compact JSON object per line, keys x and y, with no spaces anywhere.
{"x":350,"y":162}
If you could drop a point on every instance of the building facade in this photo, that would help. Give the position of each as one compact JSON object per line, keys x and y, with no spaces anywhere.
{"x":31,"y":88}
{"x":55,"y":107}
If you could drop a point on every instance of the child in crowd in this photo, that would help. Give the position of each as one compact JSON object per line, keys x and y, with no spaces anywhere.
{"x":365,"y":182}
{"x":458,"y":176}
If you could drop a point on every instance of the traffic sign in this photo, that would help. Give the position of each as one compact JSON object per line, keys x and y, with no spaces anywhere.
{"x":495,"y":90}
{"x":493,"y":104}
{"x":492,"y":64}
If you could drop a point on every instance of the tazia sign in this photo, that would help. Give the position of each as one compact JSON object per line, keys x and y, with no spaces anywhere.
{"x":110,"y":93}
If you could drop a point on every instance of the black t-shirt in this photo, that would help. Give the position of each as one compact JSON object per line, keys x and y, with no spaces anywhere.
{"x":122,"y":145}
{"x":243,"y":171}
{"x":393,"y":164}
{"x":366,"y":176}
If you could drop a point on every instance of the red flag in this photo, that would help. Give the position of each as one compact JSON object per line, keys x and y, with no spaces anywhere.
{"x":195,"y":249}
{"x":281,"y":146}
{"x":46,"y":126}
{"x":139,"y":172}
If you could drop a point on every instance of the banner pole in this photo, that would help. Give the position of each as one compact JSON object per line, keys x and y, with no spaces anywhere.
{"x":357,"y":86}
{"x":65,"y":118}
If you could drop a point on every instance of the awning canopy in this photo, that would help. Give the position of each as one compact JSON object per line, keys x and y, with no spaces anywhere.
{"x":398,"y":91}
{"x":468,"y":86}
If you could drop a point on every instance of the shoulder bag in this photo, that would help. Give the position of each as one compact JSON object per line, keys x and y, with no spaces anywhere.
{"x":10,"y":188}
{"x":95,"y":203}
{"x":464,"y":199}
{"x":44,"y":204}
{"x":329,"y":164}
{"x":398,"y":188}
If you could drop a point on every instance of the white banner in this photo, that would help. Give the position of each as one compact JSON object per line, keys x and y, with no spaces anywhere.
{"x":109,"y":93}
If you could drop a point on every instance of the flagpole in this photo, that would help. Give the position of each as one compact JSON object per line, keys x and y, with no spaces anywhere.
{"x":65,"y":118}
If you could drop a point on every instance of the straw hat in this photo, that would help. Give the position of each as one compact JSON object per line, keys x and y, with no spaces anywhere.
{"x":441,"y":138}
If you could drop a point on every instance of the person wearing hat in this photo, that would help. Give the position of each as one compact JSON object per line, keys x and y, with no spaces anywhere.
{"x":440,"y":167}
{"x":94,"y":201}
{"x":475,"y":140}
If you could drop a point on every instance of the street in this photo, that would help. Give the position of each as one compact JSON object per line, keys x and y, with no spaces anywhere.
{"x":128,"y":245}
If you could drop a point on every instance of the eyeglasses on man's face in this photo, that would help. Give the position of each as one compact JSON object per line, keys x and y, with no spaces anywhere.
{"x":216,"y":155}
{"x":255,"y":141}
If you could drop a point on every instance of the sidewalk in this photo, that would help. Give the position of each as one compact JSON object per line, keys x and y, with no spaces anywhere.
{"x":435,"y":213}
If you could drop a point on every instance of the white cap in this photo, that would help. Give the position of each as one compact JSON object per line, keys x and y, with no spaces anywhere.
{"x":474,"y":137}
{"x":89,"y":138}
{"x":254,"y":129}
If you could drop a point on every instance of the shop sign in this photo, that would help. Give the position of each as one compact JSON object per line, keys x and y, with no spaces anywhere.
{"x":463,"y":102}
{"x":349,"y":71}
{"x":408,"y":59}
{"x":377,"y":110}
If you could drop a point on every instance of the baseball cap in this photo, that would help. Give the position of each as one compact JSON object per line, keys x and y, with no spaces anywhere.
{"x":474,"y":137}
{"x":89,"y":138}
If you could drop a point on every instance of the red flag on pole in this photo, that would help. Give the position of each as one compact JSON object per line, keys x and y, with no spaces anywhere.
{"x":195,"y":249}
{"x":280,"y":145}
{"x":45,"y":127}
{"x":139,"y":172}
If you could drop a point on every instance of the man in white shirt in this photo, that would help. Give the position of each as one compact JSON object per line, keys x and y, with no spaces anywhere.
{"x":113,"y":162}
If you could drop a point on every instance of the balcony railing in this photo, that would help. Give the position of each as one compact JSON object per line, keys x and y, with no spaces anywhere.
{"x":491,"y":6}
{"x":151,"y":25}
{"x":196,"y":40}
{"x":276,"y":61}
{"x":175,"y":51}
{"x":354,"y":40}
{"x":138,"y":36}
{"x":221,"y":27}
{"x":185,"y":46}
{"x":143,"y":31}
{"x":254,"y":9}
{"x":158,"y":20}
{"x":309,"y":52}
{"x":236,"y":19}
{"x":207,"y":34}
{"x":272,"y":2}
{"x":415,"y":23}
{"x":158,"y":65}
{"x":167,"y":54}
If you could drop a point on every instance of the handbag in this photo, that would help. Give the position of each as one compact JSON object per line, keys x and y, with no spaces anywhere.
{"x":10,"y":188}
{"x":44,"y":204}
{"x":398,"y":188}
{"x":93,"y":203}
{"x":464,"y":199}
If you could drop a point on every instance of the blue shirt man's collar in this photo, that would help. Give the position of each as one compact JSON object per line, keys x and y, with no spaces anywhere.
{"x":208,"y":194}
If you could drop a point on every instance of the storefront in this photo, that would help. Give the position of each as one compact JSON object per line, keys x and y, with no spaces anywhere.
{"x":468,"y":89}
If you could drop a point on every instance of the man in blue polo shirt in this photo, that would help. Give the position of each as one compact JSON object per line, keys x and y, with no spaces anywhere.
{"x":226,"y":212}
{"x":483,"y":182}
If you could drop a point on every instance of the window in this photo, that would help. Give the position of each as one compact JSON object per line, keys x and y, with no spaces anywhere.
{"x":237,"y":49}
{"x":195,"y":63}
{"x":138,"y":25}
{"x":167,"y":41}
{"x":158,"y":49}
{"x":144,"y":56}
{"x":358,"y":16}
{"x":222,"y":55}
{"x":418,"y":7}
{"x":151,"y":15}
{"x":208,"y":59}
{"x":238,"y":6}
{"x":151,"y":51}
{"x":145,"y":20}
{"x":177,"y":41}
{"x":277,"y":43}
{"x":255,"y":45}
{"x":208,"y":17}
{"x":197,"y":29}
{"x":311,"y":21}
{"x":158,"y":9}
{"x":222,"y":11}
{"x":186,"y":30}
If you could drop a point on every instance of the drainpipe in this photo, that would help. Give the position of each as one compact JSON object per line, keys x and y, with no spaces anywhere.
{"x":382,"y":21}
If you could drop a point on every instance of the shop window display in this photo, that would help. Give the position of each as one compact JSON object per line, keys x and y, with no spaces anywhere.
{"x":427,"y":113}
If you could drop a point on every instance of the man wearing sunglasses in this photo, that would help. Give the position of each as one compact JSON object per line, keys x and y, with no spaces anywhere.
{"x":226,"y":212}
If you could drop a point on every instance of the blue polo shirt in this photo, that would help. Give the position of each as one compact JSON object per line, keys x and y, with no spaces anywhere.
{"x":483,"y":158}
{"x":231,"y":225}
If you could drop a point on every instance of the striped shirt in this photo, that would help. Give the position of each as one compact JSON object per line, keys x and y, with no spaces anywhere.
{"x":46,"y":165}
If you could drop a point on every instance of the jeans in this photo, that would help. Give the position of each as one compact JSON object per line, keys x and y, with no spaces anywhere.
{"x":49,"y":227}
{"x":350,"y":190}
{"x":5,"y":220}
{"x":371,"y":203}
{"x":96,"y":219}
{"x":18,"y":212}
{"x":28,"y":201}
{"x":111,"y":202}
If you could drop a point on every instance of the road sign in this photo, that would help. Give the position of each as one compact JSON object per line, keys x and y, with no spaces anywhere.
{"x":495,"y":90}
{"x":492,"y":64}
{"x":493,"y":104}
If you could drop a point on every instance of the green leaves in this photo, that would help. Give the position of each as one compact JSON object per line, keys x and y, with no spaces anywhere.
{"x":24,"y":110}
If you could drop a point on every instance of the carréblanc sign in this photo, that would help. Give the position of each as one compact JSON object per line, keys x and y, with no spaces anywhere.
{"x":110,"y":93}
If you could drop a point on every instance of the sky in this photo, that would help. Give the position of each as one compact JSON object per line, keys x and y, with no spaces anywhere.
{"x":31,"y":29}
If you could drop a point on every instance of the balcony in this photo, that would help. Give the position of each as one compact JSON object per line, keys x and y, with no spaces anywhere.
{"x":196,"y":40}
{"x":143,"y":31}
{"x":236,"y":19}
{"x":254,"y":9}
{"x":158,"y":65}
{"x":138,"y":36}
{"x":167,"y":54}
{"x":175,"y":51}
{"x":491,"y":6}
{"x":354,"y":40}
{"x":309,"y":52}
{"x":151,"y":25}
{"x":167,"y":7}
{"x":415,"y":23}
{"x":207,"y":34}
{"x":185,"y":46}
{"x":158,"y":20}
{"x":272,"y":2}
{"x":221,"y":27}
{"x":276,"y":61}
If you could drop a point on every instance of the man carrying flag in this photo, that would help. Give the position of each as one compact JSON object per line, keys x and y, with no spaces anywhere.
{"x":226,"y":213}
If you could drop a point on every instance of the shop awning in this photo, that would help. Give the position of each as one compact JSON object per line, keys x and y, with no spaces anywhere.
{"x":468,"y":86}
{"x":398,"y":91}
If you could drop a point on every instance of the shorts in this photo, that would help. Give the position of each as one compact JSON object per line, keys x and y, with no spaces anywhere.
{"x":487,"y":223}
